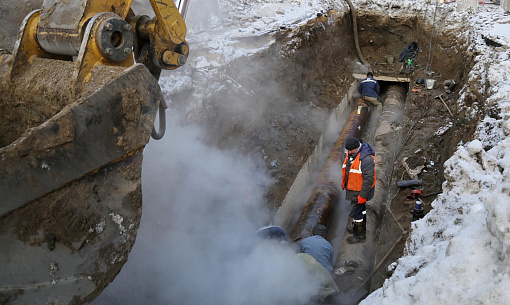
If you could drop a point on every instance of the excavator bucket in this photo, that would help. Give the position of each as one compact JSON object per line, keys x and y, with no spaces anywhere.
{"x":75,"y":114}
{"x":70,"y":178}
{"x":70,"y":173}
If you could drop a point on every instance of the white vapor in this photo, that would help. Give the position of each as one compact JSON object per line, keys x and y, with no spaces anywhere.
{"x":196,"y":243}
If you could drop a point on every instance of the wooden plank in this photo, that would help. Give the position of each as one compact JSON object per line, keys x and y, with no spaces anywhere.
{"x":385,"y":78}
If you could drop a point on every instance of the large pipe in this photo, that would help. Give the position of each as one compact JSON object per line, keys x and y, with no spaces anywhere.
{"x":324,"y":197}
{"x":356,"y":284}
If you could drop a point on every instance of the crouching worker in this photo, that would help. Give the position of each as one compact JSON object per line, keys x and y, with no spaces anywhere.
{"x":369,"y":90}
{"x":318,"y":255}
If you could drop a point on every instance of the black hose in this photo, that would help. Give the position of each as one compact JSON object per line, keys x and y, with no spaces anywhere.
{"x":355,"y":28}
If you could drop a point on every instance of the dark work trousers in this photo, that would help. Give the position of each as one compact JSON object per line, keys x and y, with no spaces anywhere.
{"x":357,"y":210}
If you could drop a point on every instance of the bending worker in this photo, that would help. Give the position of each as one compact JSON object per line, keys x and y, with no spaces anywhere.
{"x":358,"y":180}
{"x":318,"y":247}
{"x":369,"y":90}
{"x":318,"y":255}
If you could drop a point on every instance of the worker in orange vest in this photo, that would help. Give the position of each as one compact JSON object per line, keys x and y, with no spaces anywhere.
{"x":358,"y":181}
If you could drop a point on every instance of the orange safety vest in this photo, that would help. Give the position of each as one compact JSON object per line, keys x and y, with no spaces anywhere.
{"x":355,"y":175}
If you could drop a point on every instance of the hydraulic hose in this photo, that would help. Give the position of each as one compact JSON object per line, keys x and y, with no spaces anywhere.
{"x":355,"y":29}
{"x":157,"y":135}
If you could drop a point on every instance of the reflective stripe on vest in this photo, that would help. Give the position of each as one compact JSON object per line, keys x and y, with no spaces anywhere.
{"x":369,"y":80}
{"x":355,"y":181}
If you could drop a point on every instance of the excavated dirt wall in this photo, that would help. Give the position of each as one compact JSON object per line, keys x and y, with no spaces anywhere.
{"x":276,"y":103}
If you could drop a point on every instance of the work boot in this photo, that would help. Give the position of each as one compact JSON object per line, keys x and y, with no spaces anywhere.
{"x":350,"y":228}
{"x":359,"y":234}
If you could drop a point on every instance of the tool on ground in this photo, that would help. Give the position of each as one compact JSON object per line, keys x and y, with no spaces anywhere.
{"x":418,"y":211}
{"x":431,"y":194}
{"x":415,"y":194}
{"x":441,"y":98}
{"x":408,"y":183}
{"x":449,"y":85}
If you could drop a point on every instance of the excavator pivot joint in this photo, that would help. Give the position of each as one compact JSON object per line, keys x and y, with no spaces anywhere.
{"x":114,"y":36}
{"x":173,"y":58}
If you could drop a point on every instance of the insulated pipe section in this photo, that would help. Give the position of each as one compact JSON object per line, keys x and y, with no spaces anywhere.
{"x":320,"y":206}
{"x":356,"y":283}
{"x":385,"y":144}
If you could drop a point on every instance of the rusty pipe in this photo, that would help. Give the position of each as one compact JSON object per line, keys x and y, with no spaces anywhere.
{"x":318,"y":209}
{"x":385,"y":142}
{"x":320,"y":206}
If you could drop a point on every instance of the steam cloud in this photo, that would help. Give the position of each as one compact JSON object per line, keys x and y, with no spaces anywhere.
{"x":201,"y":209}
{"x":196,"y":243}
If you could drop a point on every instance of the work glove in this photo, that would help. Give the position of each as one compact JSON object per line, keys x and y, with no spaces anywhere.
{"x":361,"y":200}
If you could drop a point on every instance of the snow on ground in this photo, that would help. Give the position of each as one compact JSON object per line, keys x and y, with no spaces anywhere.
{"x":458,"y":252}
{"x":248,"y":19}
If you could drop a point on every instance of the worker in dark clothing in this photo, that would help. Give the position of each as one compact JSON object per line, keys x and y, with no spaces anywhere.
{"x":369,"y":90}
{"x":318,"y":247}
{"x":358,"y":180}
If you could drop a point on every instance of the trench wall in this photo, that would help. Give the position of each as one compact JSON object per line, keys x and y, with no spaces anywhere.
{"x":276,"y":103}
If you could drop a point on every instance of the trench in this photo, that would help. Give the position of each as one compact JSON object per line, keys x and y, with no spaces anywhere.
{"x":327,"y":205}
{"x":413,"y":142}
{"x":309,"y":81}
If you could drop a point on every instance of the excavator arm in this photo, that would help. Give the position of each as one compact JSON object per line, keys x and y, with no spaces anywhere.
{"x":103,"y":33}
{"x":79,"y":95}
